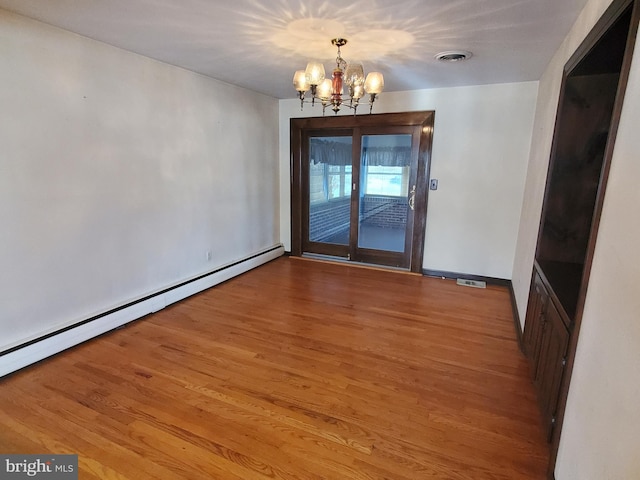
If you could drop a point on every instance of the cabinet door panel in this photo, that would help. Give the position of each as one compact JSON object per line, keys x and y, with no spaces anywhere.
{"x":550,"y":367}
{"x":534,"y":324}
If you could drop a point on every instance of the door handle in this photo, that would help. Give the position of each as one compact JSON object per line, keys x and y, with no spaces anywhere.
{"x":412,"y":198}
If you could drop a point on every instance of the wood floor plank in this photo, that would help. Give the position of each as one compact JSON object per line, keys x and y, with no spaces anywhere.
{"x":296,"y":370}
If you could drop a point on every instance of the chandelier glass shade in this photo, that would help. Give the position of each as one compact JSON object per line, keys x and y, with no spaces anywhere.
{"x":330,"y":91}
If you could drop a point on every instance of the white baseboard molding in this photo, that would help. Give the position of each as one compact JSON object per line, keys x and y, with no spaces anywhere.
{"x":50,"y":345}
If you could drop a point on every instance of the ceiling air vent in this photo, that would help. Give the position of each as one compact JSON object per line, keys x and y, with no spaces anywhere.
{"x":453,"y":56}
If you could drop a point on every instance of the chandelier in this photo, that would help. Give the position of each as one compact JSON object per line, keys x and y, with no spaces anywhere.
{"x":329,"y":91}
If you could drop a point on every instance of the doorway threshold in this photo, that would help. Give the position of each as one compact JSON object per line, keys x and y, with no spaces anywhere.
{"x":333,"y":259}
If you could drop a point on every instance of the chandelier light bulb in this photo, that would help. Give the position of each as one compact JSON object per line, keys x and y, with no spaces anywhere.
{"x":325,"y":89}
{"x":357,"y":91}
{"x":300,"y":81}
{"x":314,"y":73}
{"x":374,"y":84}
{"x":354,"y":75}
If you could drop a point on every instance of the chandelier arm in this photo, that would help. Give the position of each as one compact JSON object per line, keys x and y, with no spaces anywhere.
{"x":372,"y":98}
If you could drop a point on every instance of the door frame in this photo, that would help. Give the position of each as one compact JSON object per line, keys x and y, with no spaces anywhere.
{"x":298,"y":127}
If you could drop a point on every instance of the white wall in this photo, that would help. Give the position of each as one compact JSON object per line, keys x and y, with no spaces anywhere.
{"x":117,"y":174}
{"x":481,"y":145}
{"x":600,"y":433}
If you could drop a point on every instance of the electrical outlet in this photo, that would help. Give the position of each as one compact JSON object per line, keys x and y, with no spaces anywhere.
{"x":433,"y":184}
{"x":208,"y":255}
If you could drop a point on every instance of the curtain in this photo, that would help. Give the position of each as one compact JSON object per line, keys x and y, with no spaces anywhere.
{"x":329,"y":152}
{"x":387,"y":156}
{"x":338,"y":153}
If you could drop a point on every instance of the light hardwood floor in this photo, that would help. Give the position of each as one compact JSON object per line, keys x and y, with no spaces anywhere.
{"x":296,"y":370}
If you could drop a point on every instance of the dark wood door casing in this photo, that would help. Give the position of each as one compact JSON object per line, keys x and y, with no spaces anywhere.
{"x":299,"y":130}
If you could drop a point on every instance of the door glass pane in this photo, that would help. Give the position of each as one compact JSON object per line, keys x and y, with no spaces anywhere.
{"x":384,"y":191}
{"x":329,"y":189}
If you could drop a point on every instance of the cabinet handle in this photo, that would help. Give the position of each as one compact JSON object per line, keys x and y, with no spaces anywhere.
{"x":412,"y":198}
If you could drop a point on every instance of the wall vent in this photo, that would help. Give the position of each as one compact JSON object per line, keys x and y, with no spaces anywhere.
{"x":471,"y":283}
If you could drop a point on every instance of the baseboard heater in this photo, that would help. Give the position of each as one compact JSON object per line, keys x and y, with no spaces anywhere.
{"x":468,"y":280}
{"x":20,"y":356}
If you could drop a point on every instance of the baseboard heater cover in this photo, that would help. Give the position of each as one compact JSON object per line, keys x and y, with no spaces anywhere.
{"x":32,"y":352}
{"x":466,"y":276}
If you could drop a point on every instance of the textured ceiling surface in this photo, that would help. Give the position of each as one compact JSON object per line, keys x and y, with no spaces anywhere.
{"x":259,"y":44}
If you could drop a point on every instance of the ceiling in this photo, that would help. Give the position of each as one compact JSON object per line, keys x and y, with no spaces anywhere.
{"x":258,"y":44}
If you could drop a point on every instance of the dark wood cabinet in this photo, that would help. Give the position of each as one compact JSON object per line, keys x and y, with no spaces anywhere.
{"x":546,"y":340}
{"x":551,"y":362}
{"x":538,"y":298}
{"x":591,"y":99}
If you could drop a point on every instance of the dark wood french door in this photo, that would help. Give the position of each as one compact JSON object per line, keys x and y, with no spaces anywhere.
{"x":359,"y":187}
